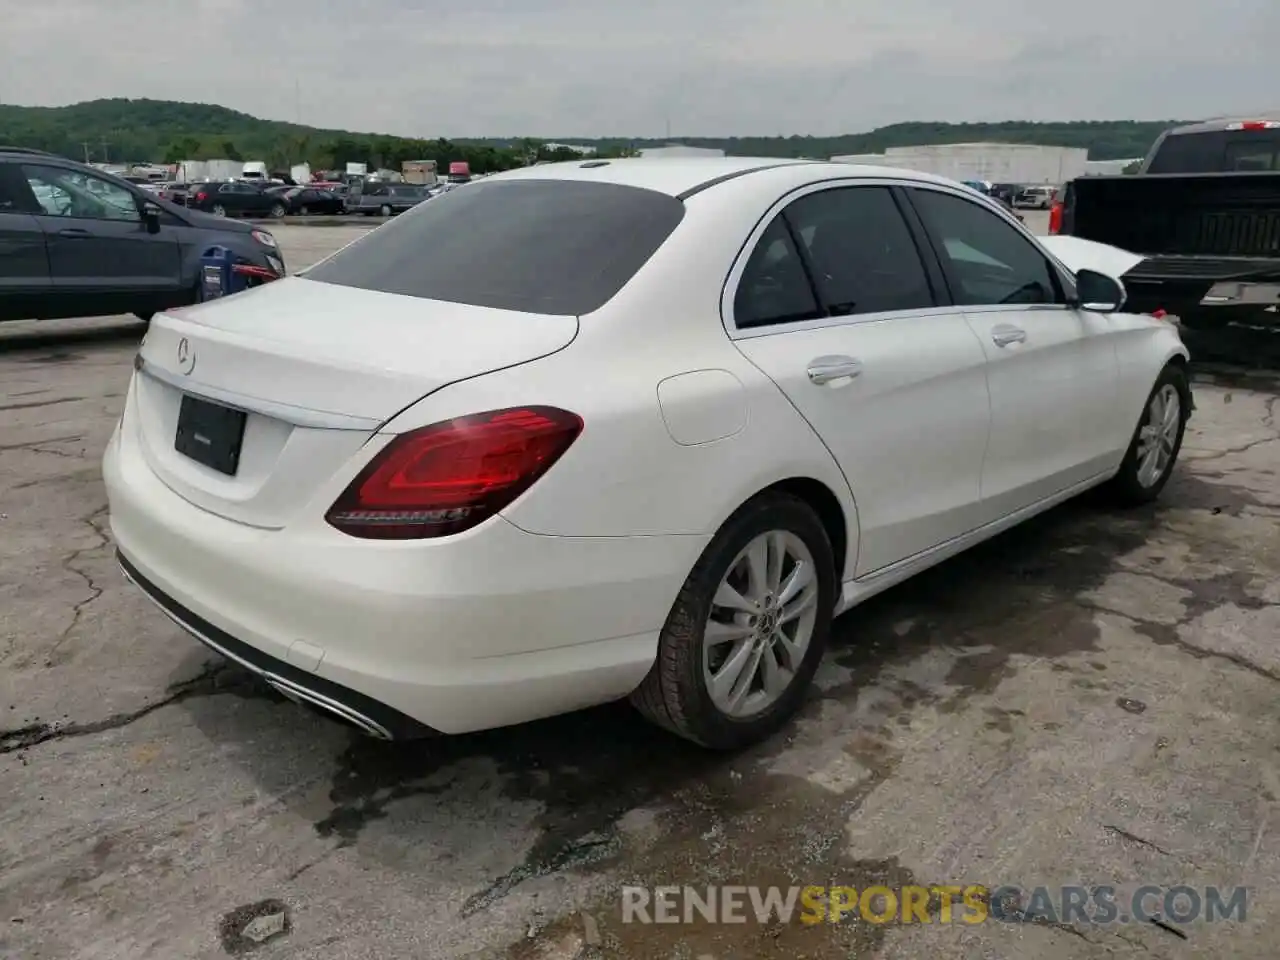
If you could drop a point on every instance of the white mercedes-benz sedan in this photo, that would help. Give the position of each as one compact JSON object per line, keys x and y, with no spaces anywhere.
{"x":623,"y":428}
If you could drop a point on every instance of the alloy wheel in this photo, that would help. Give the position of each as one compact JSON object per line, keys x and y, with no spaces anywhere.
{"x":761,"y":622}
{"x":1158,"y":435}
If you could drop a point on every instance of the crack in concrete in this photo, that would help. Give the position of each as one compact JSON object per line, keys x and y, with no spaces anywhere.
{"x":93,"y":521}
{"x":24,"y":738}
{"x":1134,"y":838}
{"x":94,"y":473}
{"x":1200,"y":653}
{"x":58,"y":453}
{"x":32,"y":444}
{"x":1229,"y":451}
{"x":35,"y":404}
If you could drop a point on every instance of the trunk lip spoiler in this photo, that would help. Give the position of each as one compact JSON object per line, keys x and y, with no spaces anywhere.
{"x":297,"y":416}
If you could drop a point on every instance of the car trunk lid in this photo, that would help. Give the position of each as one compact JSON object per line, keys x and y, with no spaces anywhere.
{"x":315,"y":369}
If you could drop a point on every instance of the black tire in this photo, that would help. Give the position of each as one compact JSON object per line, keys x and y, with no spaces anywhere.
{"x":1125,"y":488}
{"x":278,"y":211}
{"x":674,"y":694}
{"x":385,"y":210}
{"x":219,"y":210}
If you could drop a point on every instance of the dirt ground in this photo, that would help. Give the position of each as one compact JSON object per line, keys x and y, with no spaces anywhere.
{"x":1093,"y":698}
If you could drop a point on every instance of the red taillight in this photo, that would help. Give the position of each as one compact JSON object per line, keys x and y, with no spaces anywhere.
{"x":201,"y":197}
{"x":1055,"y":218}
{"x":451,"y":476}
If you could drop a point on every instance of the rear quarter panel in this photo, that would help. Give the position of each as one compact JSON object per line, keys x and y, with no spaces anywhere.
{"x":627,"y":475}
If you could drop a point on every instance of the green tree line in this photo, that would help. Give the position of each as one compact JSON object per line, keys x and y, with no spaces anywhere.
{"x":136,"y":131}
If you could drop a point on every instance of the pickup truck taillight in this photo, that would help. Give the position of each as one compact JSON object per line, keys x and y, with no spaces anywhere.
{"x":1055,"y":218}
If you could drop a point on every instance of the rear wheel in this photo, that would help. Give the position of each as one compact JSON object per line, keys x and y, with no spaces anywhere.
{"x":385,"y":210}
{"x":219,"y":210}
{"x":277,"y":210}
{"x":747,"y":632}
{"x":1153,"y":451}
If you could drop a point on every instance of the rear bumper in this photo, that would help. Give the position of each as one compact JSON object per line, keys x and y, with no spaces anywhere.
{"x":490,"y":628}
{"x":368,"y":715}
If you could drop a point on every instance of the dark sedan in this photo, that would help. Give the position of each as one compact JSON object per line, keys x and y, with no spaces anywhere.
{"x":307,"y":200}
{"x":235,"y":198}
{"x":80,"y":243}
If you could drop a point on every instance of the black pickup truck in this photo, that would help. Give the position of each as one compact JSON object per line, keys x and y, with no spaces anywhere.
{"x":1204,"y":212}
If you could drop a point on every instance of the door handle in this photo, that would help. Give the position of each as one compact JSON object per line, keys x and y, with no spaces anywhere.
{"x":825,"y":369}
{"x":1004,"y":335}
{"x":75,"y":233}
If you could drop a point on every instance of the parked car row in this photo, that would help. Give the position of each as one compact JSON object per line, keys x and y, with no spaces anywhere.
{"x":257,"y":198}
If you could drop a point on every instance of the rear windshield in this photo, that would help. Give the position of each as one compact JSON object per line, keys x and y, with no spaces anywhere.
{"x":539,"y":246}
{"x":1219,"y":151}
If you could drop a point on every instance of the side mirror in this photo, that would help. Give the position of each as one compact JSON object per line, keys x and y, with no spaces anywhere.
{"x":1098,"y":292}
{"x":151,"y":217}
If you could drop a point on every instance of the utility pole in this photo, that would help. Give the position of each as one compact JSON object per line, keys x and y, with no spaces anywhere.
{"x":106,"y":154}
{"x":85,"y":144}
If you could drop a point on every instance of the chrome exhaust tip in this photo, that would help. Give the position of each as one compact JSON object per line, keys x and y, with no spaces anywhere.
{"x":329,"y":706}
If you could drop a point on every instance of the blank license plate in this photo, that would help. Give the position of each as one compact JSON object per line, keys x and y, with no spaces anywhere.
{"x":210,"y":434}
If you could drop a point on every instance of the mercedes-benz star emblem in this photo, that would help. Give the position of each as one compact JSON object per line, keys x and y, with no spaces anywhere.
{"x":186,"y":356}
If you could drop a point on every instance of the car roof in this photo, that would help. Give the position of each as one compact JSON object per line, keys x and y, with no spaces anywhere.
{"x":1219,"y":124}
{"x":684,"y":176}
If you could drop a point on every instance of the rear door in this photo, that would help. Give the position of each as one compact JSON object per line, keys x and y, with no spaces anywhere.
{"x":1051,"y":368}
{"x":24,"y":264}
{"x":837,"y":306}
{"x":95,"y":236}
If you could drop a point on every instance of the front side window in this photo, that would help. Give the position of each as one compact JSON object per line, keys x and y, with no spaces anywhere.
{"x":862,"y":254}
{"x":987,"y":261}
{"x":67,"y":193}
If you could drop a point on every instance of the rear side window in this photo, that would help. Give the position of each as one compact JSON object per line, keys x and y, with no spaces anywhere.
{"x":774,"y":287}
{"x":539,"y":246}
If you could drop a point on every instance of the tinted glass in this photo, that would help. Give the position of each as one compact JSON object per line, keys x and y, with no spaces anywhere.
{"x":774,"y":287}
{"x":986,"y":260}
{"x":69,"y":193}
{"x":1260,"y":152}
{"x":863,"y":257}
{"x":1190,"y":153}
{"x":539,"y":246}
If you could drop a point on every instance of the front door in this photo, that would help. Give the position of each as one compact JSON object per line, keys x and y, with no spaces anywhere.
{"x":836,"y":307}
{"x":1051,"y":369}
{"x":24,"y":265}
{"x":97,"y":240}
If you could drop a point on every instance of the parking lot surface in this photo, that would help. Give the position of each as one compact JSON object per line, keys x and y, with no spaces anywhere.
{"x":1093,"y":698}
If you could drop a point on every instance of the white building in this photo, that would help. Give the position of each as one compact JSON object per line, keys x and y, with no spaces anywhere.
{"x":993,"y":162}
{"x":1108,"y":168}
{"x":672,"y":150}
